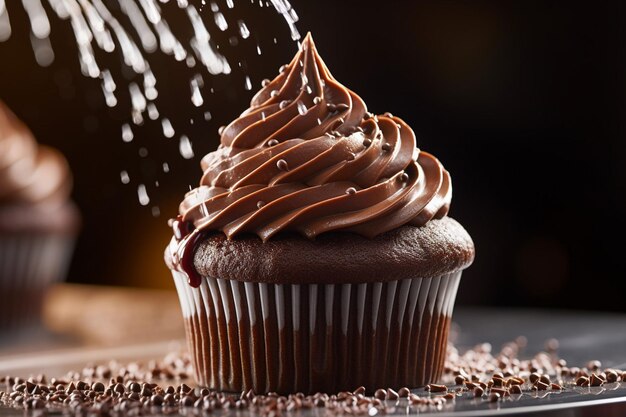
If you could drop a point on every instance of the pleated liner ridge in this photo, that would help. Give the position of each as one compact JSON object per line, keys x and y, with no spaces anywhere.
{"x":309,"y":338}
{"x":29,"y":265}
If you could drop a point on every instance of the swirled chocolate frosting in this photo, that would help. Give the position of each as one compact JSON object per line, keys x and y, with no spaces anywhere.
{"x":31,"y":175}
{"x":308,"y":157}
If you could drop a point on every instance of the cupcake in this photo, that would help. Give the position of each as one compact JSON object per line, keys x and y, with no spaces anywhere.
{"x":38,"y":222}
{"x":316,"y":254}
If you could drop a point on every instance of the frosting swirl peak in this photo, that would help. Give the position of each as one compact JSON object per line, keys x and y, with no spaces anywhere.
{"x":308,"y":157}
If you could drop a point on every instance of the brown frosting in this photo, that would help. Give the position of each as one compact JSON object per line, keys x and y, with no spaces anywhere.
{"x":439,"y":247}
{"x":307,"y":157}
{"x":35,"y":180}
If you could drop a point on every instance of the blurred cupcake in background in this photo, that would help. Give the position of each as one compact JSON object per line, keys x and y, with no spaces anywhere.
{"x":38,"y":222}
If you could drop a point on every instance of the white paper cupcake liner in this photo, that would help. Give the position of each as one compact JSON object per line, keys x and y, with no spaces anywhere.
{"x":292,"y":338}
{"x":29,"y":264}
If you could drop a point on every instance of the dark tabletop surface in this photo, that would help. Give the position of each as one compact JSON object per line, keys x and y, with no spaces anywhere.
{"x":582,"y":336}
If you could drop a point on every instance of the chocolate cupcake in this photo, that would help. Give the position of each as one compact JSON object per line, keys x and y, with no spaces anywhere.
{"x":38,"y":222}
{"x":316,"y":254}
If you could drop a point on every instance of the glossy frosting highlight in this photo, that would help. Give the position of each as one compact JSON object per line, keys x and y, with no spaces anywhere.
{"x":308,"y":157}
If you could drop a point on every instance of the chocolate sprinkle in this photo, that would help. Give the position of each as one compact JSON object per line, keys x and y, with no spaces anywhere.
{"x":157,"y":388}
{"x":380,"y":393}
{"x":460,"y":379}
{"x":282,"y":165}
{"x":595,"y":380}
{"x":392,"y":395}
{"x":404,"y":392}
{"x":582,"y":381}
{"x":436,"y":388}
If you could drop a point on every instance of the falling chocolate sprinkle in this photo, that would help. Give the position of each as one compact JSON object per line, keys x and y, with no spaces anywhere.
{"x":317,"y":100}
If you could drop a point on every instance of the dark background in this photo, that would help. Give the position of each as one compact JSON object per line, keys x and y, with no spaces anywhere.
{"x":524,"y":102}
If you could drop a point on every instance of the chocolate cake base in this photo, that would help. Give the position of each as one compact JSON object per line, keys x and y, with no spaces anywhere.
{"x":290,"y":338}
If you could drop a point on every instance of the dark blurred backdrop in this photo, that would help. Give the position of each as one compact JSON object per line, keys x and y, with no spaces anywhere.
{"x":523,"y":101}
